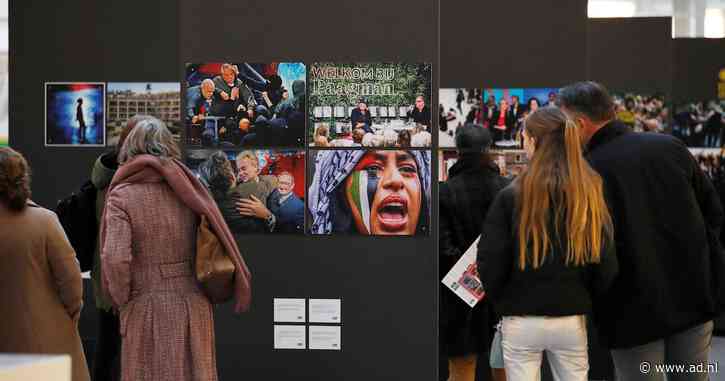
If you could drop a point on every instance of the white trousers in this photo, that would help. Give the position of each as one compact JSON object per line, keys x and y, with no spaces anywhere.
{"x":525,"y":338}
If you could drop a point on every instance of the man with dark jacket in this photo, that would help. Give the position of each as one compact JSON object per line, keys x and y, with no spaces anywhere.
{"x":667,"y":218}
{"x":472,"y":185}
{"x":106,"y":361}
{"x":361,"y":117}
{"x":286,"y":206}
{"x":421,"y":113}
{"x":232,"y":96}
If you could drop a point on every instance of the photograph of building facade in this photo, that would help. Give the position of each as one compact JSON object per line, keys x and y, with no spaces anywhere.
{"x":125,"y":100}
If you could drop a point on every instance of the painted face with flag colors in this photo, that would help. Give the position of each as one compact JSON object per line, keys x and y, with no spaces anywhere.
{"x":384,"y":193}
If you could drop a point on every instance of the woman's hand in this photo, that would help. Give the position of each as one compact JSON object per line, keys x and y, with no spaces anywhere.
{"x":253,"y":207}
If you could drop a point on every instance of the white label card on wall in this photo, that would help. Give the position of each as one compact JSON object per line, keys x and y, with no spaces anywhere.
{"x":289,"y":337}
{"x":325,"y":337}
{"x":325,"y":311}
{"x":289,"y":310}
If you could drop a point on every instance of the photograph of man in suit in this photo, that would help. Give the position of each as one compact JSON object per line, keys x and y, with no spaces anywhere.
{"x":288,"y":209}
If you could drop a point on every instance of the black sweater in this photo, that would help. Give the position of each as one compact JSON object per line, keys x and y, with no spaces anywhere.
{"x":554,"y":289}
{"x":666,"y":216}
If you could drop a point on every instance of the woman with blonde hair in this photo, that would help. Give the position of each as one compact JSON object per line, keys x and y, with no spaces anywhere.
{"x":148,"y":242}
{"x":549,"y":252}
{"x":40,"y":280}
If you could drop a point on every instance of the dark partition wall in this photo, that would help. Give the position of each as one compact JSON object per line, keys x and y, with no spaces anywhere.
{"x":697,"y":62}
{"x":512,"y":43}
{"x":632,"y":54}
{"x":80,"y":41}
{"x":387,"y":285}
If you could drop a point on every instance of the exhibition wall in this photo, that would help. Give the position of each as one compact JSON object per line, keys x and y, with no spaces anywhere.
{"x":631,"y":55}
{"x":696,"y":64}
{"x":512,"y":44}
{"x":387,"y":286}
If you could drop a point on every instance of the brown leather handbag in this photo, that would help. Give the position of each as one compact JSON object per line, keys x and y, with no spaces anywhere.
{"x":214,"y":269}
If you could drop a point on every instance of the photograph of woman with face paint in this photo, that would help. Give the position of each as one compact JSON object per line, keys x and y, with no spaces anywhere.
{"x":383,"y":192}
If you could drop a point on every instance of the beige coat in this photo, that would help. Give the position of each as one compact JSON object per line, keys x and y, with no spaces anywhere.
{"x":41,"y":290}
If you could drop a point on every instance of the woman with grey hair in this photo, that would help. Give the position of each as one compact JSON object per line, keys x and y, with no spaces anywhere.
{"x":148,"y":241}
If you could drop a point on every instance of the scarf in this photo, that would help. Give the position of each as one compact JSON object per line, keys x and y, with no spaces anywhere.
{"x":193,"y":194}
{"x":332,"y":167}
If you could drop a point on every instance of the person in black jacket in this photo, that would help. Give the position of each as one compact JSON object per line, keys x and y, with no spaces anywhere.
{"x":420,"y":113}
{"x":243,"y":205}
{"x":546,"y":252}
{"x":516,"y":115}
{"x":667,"y":219}
{"x":502,"y":122}
{"x":361,"y":117}
{"x":107,"y":358}
{"x":472,"y":184}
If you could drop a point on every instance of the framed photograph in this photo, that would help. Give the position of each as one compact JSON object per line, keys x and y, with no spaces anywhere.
{"x":231,"y":105}
{"x":75,"y":114}
{"x":345,"y":195}
{"x":274,"y":178}
{"x":127,"y":99}
{"x":371,"y":90}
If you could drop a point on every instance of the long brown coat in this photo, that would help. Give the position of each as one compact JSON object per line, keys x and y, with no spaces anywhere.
{"x":167,"y":326}
{"x":41,"y":290}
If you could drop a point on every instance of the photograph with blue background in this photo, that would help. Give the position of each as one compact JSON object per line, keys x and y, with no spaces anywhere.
{"x":75,"y":114}
{"x":503,"y":111}
{"x":542,"y":94}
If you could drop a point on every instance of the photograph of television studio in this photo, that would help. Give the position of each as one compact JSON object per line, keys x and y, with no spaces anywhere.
{"x":231,"y":105}
{"x":372,"y":105}
{"x":502,"y":111}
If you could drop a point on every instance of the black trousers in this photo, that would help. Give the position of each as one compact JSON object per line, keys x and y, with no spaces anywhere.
{"x":107,"y":360}
{"x":82,"y":132}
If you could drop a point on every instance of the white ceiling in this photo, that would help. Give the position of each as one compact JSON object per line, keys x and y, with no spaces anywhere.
{"x":691,"y":18}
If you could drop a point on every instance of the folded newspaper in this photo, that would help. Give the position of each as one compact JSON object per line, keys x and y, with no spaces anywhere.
{"x":463,"y":278}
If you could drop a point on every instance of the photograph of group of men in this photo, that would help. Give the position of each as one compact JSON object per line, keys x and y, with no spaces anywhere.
{"x":230,"y":105}
{"x":257,"y":191}
{"x":500,"y":110}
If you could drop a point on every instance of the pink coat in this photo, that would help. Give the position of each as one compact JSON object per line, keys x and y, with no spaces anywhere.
{"x":149,"y":236}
